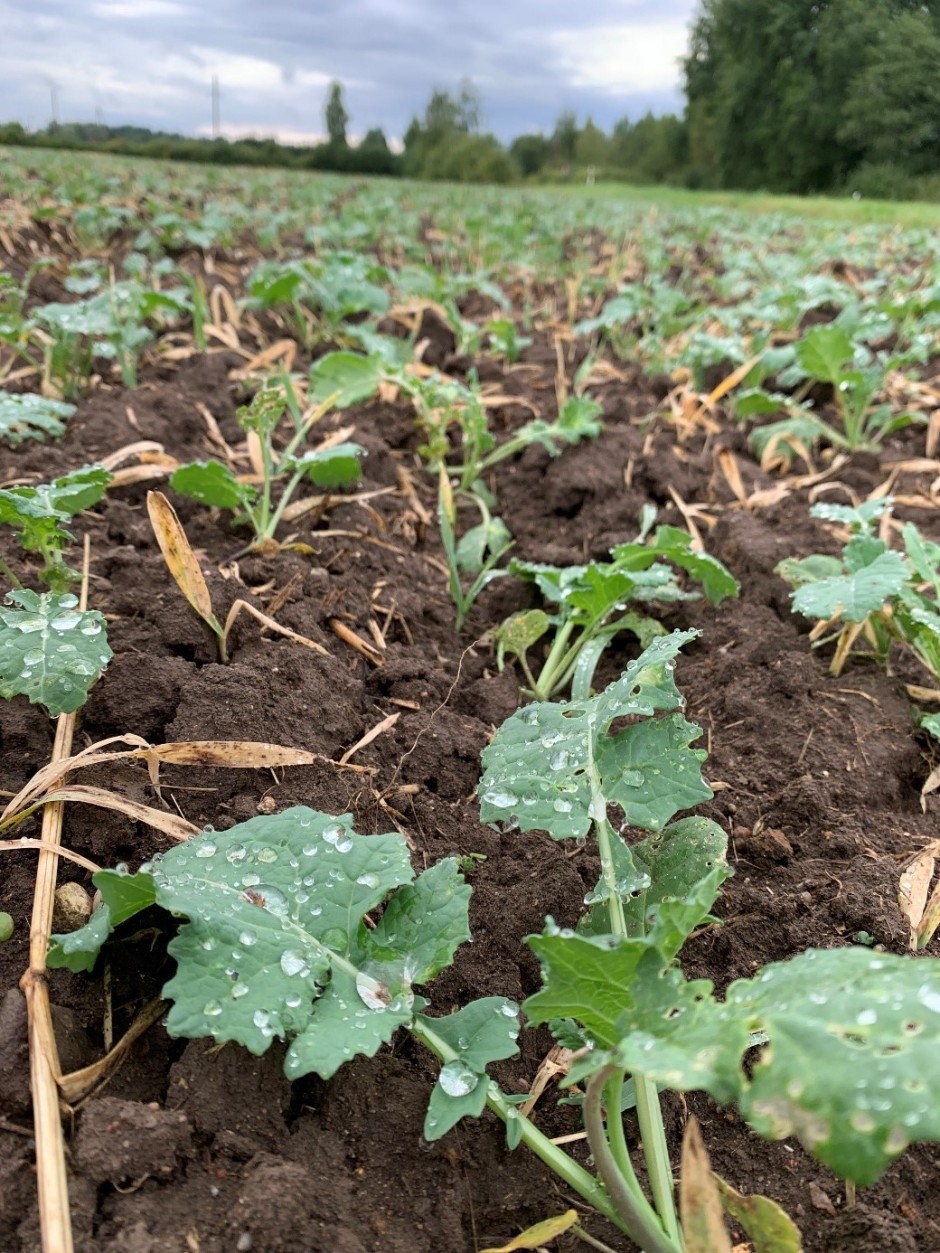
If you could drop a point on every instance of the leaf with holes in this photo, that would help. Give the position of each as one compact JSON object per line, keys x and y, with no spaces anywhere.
{"x":853,"y":1062}
{"x":555,"y":767}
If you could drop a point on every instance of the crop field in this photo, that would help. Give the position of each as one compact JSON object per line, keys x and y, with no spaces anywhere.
{"x":471,"y":720}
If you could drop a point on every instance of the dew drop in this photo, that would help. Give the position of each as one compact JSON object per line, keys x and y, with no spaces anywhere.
{"x":293,"y":963}
{"x":212,"y":1009}
{"x":867,"y":1018}
{"x":372,"y":992}
{"x":206,"y":850}
{"x":261,"y":1018}
{"x":267,"y":855}
{"x":368,"y":880}
{"x":293,"y":1001}
{"x":272,"y":899}
{"x":561,"y":806}
{"x":236,"y":853}
{"x":457,"y":1079}
{"x":500,"y":800}
{"x":247,"y":939}
{"x":66,"y":621}
{"x":929,"y":997}
{"x":239,"y":990}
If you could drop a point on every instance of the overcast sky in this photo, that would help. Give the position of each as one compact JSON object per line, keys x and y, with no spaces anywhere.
{"x":151,"y":62}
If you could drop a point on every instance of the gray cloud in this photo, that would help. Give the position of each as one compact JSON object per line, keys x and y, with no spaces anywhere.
{"x":152,"y":61}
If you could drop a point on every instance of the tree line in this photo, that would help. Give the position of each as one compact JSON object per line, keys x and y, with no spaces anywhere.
{"x":813,"y":96}
{"x":802,"y":96}
{"x":446,"y":141}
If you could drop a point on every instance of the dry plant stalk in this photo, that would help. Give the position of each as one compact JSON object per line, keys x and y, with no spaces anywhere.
{"x":55,"y":1221}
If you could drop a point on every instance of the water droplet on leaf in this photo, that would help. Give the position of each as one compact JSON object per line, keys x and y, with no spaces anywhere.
{"x":457,"y":1079}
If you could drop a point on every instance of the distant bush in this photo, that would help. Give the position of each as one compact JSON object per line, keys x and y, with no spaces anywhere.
{"x":881,"y":180}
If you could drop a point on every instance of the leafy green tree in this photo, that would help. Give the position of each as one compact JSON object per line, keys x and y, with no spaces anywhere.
{"x":565,"y":136}
{"x":652,"y":150}
{"x":530,"y":152}
{"x":591,"y":145}
{"x":892,"y":110}
{"x":792,"y":95}
{"x":336,"y":116}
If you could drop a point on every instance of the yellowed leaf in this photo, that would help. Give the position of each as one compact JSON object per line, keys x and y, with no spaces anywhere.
{"x":770,"y":1228}
{"x":180,"y":558}
{"x":539,"y":1234}
{"x":232,"y":754}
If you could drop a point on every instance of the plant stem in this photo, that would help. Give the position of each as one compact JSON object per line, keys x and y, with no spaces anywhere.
{"x":649,"y":1114}
{"x":643,"y":1226}
{"x":545,"y":686}
{"x":9,"y":574}
{"x":282,"y":504}
{"x":556,"y":1159}
{"x":615,"y":1134}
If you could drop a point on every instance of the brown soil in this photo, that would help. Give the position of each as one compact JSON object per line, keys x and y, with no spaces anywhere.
{"x":192,"y":1147}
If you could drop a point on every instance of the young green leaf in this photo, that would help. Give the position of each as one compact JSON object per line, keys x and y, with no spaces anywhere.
{"x":50,"y":650}
{"x":424,"y":923}
{"x":855,"y":595}
{"x":823,"y":353}
{"x":634,"y":1004}
{"x":346,"y":378}
{"x":669,"y":882}
{"x":331,"y":468}
{"x":482,"y":1032}
{"x":675,"y":545}
{"x":274,"y":942}
{"x":212,"y":483}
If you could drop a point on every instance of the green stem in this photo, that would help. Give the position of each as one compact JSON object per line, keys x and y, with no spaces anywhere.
{"x":8,"y":573}
{"x":643,"y":1225}
{"x":267,"y":465}
{"x":656,"y":1152}
{"x":556,"y":1159}
{"x":649,"y":1114}
{"x":556,"y":653}
{"x":285,"y":500}
{"x":613,"y":1095}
